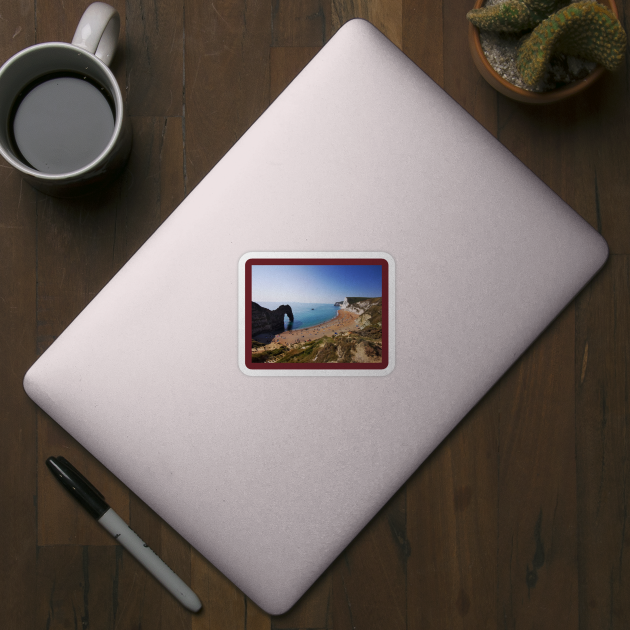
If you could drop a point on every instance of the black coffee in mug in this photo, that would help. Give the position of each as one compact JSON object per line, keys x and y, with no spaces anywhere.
{"x":61,"y":122}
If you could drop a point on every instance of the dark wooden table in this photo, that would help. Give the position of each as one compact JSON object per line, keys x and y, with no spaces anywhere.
{"x":518,"y":520}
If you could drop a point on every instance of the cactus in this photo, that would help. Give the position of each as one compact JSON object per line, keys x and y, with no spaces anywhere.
{"x":513,"y":16}
{"x":584,"y":29}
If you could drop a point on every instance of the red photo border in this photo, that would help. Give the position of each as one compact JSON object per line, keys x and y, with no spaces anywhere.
{"x":317,"y":261}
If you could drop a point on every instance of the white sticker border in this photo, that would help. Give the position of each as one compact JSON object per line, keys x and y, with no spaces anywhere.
{"x":306,"y":373}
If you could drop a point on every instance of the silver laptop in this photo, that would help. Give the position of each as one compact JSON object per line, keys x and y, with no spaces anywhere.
{"x":317,"y":315}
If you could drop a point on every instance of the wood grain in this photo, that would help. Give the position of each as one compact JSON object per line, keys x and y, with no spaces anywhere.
{"x":602,"y":380}
{"x":537,"y":510}
{"x":369,"y":577}
{"x":517,"y":520}
{"x":151,"y":187}
{"x":146,"y":602}
{"x":559,"y":148}
{"x":386,"y":15}
{"x":76,"y":587}
{"x":285,"y":64}
{"x":226,"y":78}
{"x":154,"y":57}
{"x":609,"y":133}
{"x":422,"y":36}
{"x":461,"y":79}
{"x":300,"y":23}
{"x":313,"y":609}
{"x":18,"y":416}
{"x":224,"y":606}
{"x":17,"y":28}
{"x":452,"y":516}
{"x":573,"y":148}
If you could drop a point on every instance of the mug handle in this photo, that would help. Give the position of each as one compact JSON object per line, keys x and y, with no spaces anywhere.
{"x":98,"y":30}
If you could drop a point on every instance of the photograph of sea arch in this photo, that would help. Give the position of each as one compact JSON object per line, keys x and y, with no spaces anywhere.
{"x":316,"y":314}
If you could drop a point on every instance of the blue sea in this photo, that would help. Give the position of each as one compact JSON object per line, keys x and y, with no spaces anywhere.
{"x":304,"y":314}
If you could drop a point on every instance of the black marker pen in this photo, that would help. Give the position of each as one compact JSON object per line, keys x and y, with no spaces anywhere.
{"x":94,"y":502}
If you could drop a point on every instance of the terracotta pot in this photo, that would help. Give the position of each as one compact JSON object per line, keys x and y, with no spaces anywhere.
{"x":518,"y":94}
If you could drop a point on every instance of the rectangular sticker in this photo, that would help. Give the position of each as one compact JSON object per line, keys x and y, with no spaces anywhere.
{"x":313,"y":314}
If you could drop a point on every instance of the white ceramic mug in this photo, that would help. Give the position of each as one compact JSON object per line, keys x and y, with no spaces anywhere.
{"x":87,"y":57}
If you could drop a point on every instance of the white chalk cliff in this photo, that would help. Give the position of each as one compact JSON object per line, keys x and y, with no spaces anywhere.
{"x":358,"y":307}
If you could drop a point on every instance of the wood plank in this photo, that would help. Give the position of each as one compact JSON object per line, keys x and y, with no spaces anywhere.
{"x":386,"y":15}
{"x":57,"y":23}
{"x":572,"y":147}
{"x":603,"y":468}
{"x":17,"y":28}
{"x":300,"y":22}
{"x":74,"y":248}
{"x":154,"y":57}
{"x":171,"y":159}
{"x":226,"y":78}
{"x":608,"y":128}
{"x":462,"y":80}
{"x":18,"y":422}
{"x":285,"y":64}
{"x":452,"y":527}
{"x":369,"y":577}
{"x":255,"y":617}
{"x":152,"y":185}
{"x":76,"y":587}
{"x":142,"y":600}
{"x":537,"y":537}
{"x":558,"y":147}
{"x":224,"y":606}
{"x":607,"y":123}
{"x":423,"y":36}
{"x":312,"y":611}
{"x":18,"y":415}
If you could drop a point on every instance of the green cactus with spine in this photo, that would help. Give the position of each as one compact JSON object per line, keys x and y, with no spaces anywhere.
{"x":583,"y":29}
{"x":513,"y":16}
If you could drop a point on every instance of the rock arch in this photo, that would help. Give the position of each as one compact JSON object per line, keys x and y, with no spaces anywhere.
{"x":264,"y":320}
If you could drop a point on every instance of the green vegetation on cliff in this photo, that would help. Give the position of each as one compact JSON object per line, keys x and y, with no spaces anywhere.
{"x":375,"y":312}
{"x":354,"y":347}
{"x":263,"y":357}
{"x":360,"y":346}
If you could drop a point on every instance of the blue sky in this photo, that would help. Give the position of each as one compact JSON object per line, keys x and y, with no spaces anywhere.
{"x":324,"y":284}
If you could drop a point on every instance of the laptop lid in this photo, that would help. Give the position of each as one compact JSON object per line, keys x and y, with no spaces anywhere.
{"x":364,"y":178}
